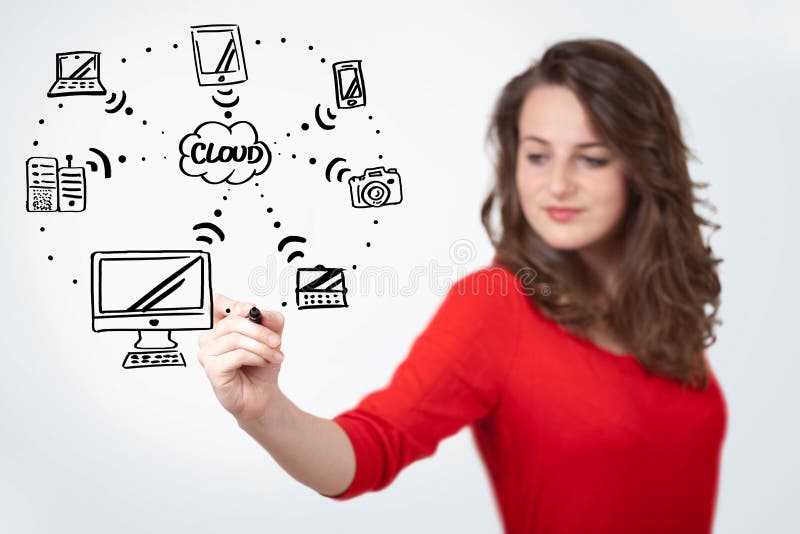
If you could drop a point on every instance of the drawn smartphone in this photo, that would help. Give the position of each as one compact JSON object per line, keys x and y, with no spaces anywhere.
{"x":349,"y":80}
{"x":71,"y":189}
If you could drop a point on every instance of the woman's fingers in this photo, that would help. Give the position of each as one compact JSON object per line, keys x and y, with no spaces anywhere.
{"x":234,"y":323}
{"x":224,"y":306}
{"x":235,"y":340}
{"x":225,"y":365}
{"x":273,"y":320}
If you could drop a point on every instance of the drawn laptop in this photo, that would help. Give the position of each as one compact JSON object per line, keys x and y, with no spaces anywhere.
{"x":320,"y":287}
{"x":77,"y":73}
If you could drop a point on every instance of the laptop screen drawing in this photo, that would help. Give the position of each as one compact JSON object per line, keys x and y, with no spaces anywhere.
{"x":77,"y":73}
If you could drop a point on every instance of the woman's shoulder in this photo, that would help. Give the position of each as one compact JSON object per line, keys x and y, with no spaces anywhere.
{"x":488,"y":296}
{"x":494,"y":282}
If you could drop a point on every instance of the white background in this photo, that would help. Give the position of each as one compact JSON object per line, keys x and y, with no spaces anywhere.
{"x":86,"y":446}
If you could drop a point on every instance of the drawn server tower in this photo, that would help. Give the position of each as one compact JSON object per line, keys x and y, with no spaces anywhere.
{"x":42,"y":184}
{"x":71,"y":188}
{"x":51,"y":188}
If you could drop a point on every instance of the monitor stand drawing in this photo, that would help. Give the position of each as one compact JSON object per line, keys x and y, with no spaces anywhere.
{"x":156,"y":349}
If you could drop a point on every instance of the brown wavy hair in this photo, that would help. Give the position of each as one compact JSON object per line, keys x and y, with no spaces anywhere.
{"x":666,"y":304}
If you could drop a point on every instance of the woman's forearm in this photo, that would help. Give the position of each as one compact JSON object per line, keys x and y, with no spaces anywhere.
{"x":313,"y":450}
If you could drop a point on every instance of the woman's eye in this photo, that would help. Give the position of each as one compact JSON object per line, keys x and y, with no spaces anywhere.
{"x":535,"y":158}
{"x":596,"y":162}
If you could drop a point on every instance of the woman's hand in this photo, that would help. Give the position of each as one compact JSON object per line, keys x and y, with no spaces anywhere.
{"x":242,"y":359}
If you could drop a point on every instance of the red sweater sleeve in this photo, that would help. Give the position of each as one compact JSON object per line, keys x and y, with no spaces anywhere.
{"x":447,"y":380}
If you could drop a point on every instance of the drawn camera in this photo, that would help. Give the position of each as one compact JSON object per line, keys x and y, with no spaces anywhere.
{"x":377,"y":187}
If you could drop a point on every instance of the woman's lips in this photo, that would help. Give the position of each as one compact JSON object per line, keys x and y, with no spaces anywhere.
{"x":563,"y":214}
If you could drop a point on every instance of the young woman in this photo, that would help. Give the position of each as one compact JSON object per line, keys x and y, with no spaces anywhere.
{"x":577,"y":359}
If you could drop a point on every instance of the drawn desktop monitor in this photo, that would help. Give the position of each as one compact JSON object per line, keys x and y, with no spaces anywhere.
{"x":153,"y":293}
{"x":218,"y":54}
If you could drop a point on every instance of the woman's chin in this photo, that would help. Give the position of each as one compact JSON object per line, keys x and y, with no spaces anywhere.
{"x":565,"y":240}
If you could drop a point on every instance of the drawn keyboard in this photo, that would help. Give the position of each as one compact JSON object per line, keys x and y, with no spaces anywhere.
{"x":88,"y":85}
{"x":153,"y":358}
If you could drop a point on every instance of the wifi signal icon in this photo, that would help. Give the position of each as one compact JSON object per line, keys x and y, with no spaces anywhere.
{"x":103,"y":158}
{"x":116,"y":105}
{"x":322,"y":124}
{"x":223,"y":104}
{"x":292,"y":239}
{"x":208,"y":226}
{"x":331,"y":165}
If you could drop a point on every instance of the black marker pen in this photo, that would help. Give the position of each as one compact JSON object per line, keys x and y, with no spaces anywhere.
{"x":254,"y":315}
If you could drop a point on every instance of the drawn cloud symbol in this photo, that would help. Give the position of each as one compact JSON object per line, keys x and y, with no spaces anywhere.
{"x":220,"y":153}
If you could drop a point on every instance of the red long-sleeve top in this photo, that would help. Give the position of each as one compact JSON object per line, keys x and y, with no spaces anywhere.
{"x":574,"y":437}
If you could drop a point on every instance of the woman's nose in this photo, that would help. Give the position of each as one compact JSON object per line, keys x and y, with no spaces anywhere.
{"x":561,"y":182}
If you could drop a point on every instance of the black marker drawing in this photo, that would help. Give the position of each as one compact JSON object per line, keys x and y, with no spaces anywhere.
{"x":103,"y":158}
{"x":54,"y":188}
{"x":349,"y":81}
{"x":77,"y":73}
{"x":152,"y":292}
{"x":116,"y":105}
{"x":375,"y":188}
{"x":224,"y":104}
{"x":292,"y":239}
{"x":208,"y":226}
{"x":220,"y":153}
{"x":320,"y":287}
{"x":322,"y":124}
{"x":340,"y":173}
{"x":218,"y":54}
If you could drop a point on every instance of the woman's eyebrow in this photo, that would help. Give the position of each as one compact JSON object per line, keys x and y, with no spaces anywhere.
{"x":579,"y":145}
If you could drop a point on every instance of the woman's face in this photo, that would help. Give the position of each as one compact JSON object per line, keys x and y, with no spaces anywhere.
{"x":562,"y":163}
